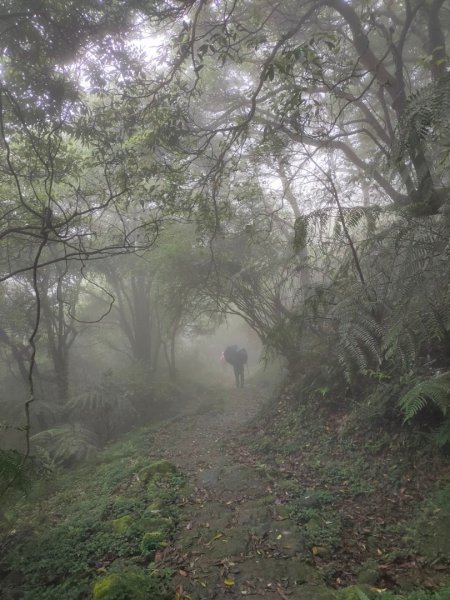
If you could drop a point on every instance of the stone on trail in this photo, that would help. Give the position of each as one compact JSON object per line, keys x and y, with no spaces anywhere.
{"x":232,"y":543}
{"x":242,"y":481}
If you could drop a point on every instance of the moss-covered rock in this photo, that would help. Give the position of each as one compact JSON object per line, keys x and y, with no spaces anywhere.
{"x":122,"y":524}
{"x":127,"y":585}
{"x":155,"y":522}
{"x":151,"y":541}
{"x":158,"y":468}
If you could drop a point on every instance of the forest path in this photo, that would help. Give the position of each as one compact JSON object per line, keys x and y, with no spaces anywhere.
{"x":234,"y":540}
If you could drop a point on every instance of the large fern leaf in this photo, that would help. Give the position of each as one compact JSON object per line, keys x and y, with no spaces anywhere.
{"x":435,"y":390}
{"x":67,"y":444}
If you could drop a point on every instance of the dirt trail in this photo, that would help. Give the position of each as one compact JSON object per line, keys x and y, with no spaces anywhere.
{"x":233,"y":540}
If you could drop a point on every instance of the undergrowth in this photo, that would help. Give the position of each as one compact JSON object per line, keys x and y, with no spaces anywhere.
{"x":98,"y":521}
{"x":361,"y":490}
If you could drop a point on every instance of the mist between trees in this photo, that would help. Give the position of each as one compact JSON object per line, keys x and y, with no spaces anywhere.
{"x":283,"y":162}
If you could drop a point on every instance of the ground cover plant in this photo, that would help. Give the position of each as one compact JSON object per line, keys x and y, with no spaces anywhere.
{"x":96,"y":529}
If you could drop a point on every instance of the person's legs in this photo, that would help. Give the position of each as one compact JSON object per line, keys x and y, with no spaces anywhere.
{"x":241,"y":375}
{"x":236,"y":374}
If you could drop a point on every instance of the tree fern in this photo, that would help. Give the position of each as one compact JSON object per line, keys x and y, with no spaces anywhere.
{"x":67,"y":444}
{"x":435,"y":390}
{"x":106,"y":407}
{"x":426,"y":114}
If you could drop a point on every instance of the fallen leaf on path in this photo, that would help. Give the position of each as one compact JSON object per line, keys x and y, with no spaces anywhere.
{"x":228,"y":581}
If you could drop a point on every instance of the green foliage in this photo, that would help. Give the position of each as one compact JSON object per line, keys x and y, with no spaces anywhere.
{"x":159,"y":468}
{"x":13,"y":471}
{"x":442,"y":594}
{"x":436,"y":391}
{"x":425,"y":115}
{"x":151,"y":541}
{"x":300,"y":233}
{"x":351,"y":593}
{"x":67,"y":444}
{"x":313,"y":512}
{"x":75,"y":529}
{"x":441,"y":435}
{"x":427,"y":530}
{"x":106,"y":407}
{"x":374,"y":333}
{"x":129,"y":583}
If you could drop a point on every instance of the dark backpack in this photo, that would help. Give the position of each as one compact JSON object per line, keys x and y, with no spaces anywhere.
{"x":242,"y":356}
{"x":235,"y":357}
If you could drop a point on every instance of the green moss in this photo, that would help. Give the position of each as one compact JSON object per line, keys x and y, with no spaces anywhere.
{"x":152,"y":522}
{"x":122,"y":524}
{"x":159,"y":467}
{"x":126,"y":585}
{"x":151,"y":541}
{"x":154,"y":507}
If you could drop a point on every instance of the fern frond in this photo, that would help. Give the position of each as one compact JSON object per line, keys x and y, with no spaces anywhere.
{"x":436,"y":390}
{"x":100,"y":399}
{"x":67,"y":443}
{"x":426,"y":115}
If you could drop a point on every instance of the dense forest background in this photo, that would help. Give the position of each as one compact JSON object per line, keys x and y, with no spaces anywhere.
{"x":168,"y":166}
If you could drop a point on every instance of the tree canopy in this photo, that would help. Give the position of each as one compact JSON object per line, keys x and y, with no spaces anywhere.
{"x":167,"y":163}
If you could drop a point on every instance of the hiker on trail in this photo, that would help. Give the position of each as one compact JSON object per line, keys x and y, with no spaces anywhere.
{"x":237,"y":358}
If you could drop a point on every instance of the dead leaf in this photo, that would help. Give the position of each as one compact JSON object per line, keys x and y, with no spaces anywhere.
{"x":228,"y":581}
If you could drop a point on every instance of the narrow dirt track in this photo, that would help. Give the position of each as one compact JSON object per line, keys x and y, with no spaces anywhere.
{"x":233,"y":540}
